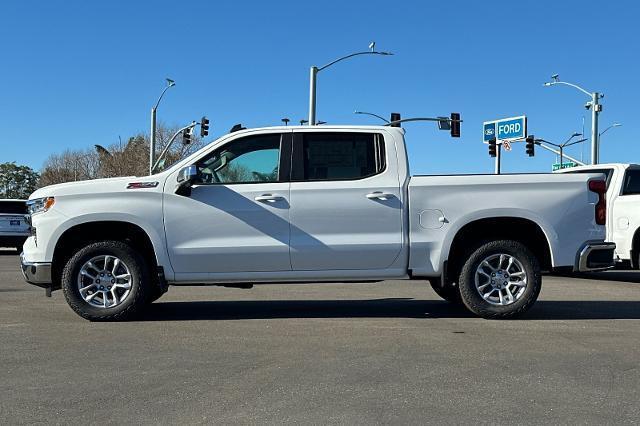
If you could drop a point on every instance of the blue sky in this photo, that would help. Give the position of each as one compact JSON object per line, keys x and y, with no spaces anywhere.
{"x":74,"y":73}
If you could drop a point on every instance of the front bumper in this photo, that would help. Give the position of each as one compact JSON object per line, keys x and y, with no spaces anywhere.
{"x":36,"y":273}
{"x":596,"y":256}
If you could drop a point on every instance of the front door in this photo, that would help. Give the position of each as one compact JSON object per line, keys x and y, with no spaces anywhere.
{"x":236,"y":218}
{"x":346,"y":211}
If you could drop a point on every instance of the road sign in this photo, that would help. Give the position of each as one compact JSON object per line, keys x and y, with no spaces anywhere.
{"x":510,"y":129}
{"x":507,"y":145}
{"x":567,"y":165}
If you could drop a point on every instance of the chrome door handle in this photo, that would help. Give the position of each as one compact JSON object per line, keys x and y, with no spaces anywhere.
{"x":379,"y":195}
{"x":269,"y":198}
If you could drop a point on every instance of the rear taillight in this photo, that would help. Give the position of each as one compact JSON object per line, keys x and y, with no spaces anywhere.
{"x":600,"y":188}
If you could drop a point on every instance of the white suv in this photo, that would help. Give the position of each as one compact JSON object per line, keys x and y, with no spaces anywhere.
{"x":14,"y":223}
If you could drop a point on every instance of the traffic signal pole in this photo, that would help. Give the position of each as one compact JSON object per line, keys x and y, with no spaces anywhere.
{"x":498,"y":155}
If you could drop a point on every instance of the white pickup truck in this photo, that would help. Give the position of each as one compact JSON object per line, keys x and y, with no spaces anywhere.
{"x":623,"y":207}
{"x":312,"y":204}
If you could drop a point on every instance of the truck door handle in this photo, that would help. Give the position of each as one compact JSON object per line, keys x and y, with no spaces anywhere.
{"x":269,"y":198}
{"x":379,"y":195}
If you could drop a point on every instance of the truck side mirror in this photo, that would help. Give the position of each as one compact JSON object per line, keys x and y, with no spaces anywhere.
{"x":186,"y":177}
{"x":187,"y":174}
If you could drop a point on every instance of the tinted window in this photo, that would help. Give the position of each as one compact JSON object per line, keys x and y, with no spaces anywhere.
{"x":608,"y":173}
{"x":340,"y":156}
{"x":248,"y":160}
{"x":631,"y":183}
{"x":13,"y":207}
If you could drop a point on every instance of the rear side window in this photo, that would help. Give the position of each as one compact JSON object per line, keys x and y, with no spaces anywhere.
{"x":631,"y":183}
{"x":340,"y":156}
{"x":13,"y":207}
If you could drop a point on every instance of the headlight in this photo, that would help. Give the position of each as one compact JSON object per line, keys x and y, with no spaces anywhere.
{"x":40,"y":205}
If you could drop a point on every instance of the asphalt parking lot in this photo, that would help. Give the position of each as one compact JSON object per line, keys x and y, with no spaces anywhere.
{"x":389,"y":352}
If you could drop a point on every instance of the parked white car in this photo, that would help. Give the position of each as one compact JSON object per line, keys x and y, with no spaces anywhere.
{"x":623,"y":207}
{"x":312,"y":204}
{"x":14,"y":223}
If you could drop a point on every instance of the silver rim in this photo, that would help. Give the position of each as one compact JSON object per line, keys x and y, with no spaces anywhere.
{"x":104,"y":281}
{"x":501,"y":279}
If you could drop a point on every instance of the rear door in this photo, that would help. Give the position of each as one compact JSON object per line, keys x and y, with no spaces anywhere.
{"x":346,"y":212}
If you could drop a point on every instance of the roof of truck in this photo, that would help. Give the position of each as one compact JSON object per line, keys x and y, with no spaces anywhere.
{"x":320,"y":127}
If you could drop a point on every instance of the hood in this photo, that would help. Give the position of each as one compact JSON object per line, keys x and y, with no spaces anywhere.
{"x":91,"y":186}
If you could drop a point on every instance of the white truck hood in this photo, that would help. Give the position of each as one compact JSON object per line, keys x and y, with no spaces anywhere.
{"x":90,"y":186}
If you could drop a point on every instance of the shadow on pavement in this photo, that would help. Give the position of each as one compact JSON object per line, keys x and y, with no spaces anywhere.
{"x":380,"y":308}
{"x":9,"y":253}
{"x":621,"y":275}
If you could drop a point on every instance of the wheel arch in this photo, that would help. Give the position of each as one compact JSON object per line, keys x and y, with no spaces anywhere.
{"x":83,"y":233}
{"x":635,"y":250}
{"x":475,"y":232}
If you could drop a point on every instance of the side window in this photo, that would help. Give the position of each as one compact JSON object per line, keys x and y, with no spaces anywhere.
{"x":340,"y":156}
{"x":631,"y":184}
{"x":251,"y":159}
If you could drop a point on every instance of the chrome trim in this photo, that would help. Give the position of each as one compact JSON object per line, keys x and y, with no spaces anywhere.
{"x":588,"y":249}
{"x":35,"y":272}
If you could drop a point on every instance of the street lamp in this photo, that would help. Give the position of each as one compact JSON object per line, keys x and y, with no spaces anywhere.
{"x":313,"y":76}
{"x":566,"y":143}
{"x":373,"y":115}
{"x":152,"y":138}
{"x":605,"y":130}
{"x":595,"y":107}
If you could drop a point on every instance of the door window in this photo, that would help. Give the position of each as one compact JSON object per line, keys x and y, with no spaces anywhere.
{"x":252,"y":159}
{"x":631,"y":184}
{"x":338,"y":156}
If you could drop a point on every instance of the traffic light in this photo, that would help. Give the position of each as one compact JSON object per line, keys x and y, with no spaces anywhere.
{"x":186,"y":136}
{"x":395,"y":116}
{"x":531,"y":146}
{"x":492,"y":147}
{"x":204,"y":127}
{"x":455,"y":124}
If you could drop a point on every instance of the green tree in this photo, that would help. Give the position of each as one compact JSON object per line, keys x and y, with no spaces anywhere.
{"x":17,"y":181}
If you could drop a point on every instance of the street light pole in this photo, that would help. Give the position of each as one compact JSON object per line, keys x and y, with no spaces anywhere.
{"x":372,"y":114}
{"x":152,"y":136}
{"x":313,"y":78}
{"x":595,"y":137}
{"x":605,"y":130}
{"x":596,"y":108}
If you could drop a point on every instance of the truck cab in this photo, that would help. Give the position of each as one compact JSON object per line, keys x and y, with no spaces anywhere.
{"x":623,"y":207}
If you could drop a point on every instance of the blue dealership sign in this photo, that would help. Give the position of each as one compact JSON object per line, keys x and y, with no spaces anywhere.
{"x":512,"y":128}
{"x":489,"y":131}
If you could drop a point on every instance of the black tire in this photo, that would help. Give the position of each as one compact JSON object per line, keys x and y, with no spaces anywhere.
{"x":448,"y":291}
{"x":140,"y":282}
{"x":471,"y":296}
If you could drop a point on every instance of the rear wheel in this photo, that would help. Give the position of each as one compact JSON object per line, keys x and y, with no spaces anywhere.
{"x":501,"y":279}
{"x":106,"y":281}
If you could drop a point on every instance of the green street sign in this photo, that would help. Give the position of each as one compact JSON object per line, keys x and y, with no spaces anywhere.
{"x":567,"y":165}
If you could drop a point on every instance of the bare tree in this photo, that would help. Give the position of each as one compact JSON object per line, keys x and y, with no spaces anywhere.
{"x":119,"y":159}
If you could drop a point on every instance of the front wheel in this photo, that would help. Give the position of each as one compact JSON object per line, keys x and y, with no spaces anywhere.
{"x":106,"y":281}
{"x":501,"y":279}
